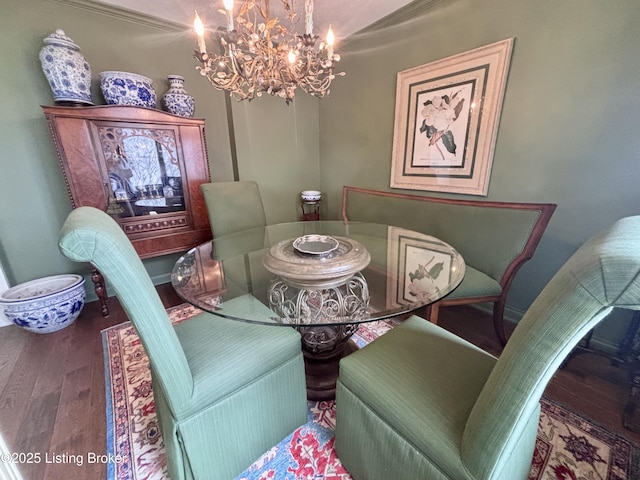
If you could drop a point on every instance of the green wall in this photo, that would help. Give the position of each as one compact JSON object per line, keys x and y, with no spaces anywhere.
{"x":278,"y":147}
{"x":569,"y":127}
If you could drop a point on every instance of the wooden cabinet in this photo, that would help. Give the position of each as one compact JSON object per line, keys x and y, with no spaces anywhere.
{"x":143,"y":166}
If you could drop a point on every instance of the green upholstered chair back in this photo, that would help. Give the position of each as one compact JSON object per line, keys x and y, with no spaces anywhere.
{"x":604,"y":273}
{"x":233,"y":206}
{"x":489,"y":235}
{"x":90,"y":235}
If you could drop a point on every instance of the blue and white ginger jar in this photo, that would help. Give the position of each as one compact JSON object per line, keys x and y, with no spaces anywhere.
{"x":176,"y":99}
{"x":124,"y":88}
{"x":66,"y":69}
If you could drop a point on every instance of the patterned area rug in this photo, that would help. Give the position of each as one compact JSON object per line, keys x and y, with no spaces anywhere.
{"x":568,"y":447}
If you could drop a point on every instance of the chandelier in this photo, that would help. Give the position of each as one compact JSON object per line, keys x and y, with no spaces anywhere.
{"x":257,"y":54}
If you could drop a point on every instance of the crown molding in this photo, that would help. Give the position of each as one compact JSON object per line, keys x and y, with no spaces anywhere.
{"x":408,"y":12}
{"x":124,"y":14}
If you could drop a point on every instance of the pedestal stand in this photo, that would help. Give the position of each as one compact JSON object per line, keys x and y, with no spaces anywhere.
{"x":310,"y":210}
{"x":325,"y":340}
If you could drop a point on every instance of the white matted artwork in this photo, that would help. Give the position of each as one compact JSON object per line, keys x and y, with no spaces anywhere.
{"x":446,"y":121}
{"x":423,"y":267}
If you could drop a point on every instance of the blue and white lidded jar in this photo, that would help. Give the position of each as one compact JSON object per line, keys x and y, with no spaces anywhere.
{"x":176,"y":99}
{"x":66,"y":69}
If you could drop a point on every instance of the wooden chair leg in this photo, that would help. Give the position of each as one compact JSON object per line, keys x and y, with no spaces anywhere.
{"x":498,"y":320}
{"x":428,"y":312}
{"x":433,"y":311}
{"x":101,"y":291}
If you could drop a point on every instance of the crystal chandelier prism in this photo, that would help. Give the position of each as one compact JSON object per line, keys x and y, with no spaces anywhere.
{"x":256,"y":54}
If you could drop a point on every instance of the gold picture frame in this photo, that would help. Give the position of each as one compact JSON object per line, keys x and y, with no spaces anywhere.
{"x":446,"y":121}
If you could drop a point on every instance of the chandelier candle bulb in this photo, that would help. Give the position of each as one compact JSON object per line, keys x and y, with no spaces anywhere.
{"x":198,"y":26}
{"x":308,"y":9}
{"x":228,"y":6}
{"x":330,"y":40}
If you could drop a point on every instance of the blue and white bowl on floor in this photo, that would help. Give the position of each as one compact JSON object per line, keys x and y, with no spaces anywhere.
{"x":124,"y":88}
{"x":45,"y":305}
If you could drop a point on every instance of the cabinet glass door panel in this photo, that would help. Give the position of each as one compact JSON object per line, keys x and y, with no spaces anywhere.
{"x":144,"y":171}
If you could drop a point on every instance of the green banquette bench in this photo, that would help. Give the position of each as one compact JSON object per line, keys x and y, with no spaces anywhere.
{"x":495,"y":238}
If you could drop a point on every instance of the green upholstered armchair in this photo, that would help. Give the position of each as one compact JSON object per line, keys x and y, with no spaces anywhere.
{"x":233,"y":206}
{"x":420,"y":402}
{"x":225,"y":391}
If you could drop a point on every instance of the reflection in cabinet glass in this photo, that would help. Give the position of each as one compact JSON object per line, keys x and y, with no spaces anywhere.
{"x":144,"y":171}
{"x":141,"y":165}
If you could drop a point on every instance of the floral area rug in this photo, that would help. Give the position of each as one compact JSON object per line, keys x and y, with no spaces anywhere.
{"x":568,"y":446}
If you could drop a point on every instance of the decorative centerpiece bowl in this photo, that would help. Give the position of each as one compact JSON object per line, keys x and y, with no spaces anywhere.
{"x":46,"y":304}
{"x":316,"y":262}
{"x":124,"y":88}
{"x":311,"y":195}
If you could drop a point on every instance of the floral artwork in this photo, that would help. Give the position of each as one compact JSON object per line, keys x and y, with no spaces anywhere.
{"x":424,"y":268}
{"x":442,"y":123}
{"x":422,"y":281}
{"x":446,"y":121}
{"x":427,"y":270}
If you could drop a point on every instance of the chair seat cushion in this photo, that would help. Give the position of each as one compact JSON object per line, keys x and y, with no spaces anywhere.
{"x":475,"y":284}
{"x":423,"y":382}
{"x":210,"y":342}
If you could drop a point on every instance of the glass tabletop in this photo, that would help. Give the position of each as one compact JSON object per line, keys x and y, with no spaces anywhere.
{"x":317,"y":273}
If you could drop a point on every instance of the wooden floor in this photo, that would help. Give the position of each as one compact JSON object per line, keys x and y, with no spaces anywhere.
{"x":52,"y":394}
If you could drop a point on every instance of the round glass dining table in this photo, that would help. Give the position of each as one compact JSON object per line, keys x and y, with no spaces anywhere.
{"x":323,"y":278}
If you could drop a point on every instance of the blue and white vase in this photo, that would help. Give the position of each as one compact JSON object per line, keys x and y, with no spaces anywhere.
{"x":176,"y":100}
{"x":66,"y":69}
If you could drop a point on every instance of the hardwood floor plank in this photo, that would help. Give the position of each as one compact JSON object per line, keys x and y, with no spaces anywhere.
{"x":34,"y":436}
{"x":16,"y":393}
{"x":97,"y":440}
{"x":70,"y":433}
{"x":35,"y":431}
{"x":13,"y":341}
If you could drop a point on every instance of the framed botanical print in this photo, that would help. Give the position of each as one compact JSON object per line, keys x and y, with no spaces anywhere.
{"x":425,"y":267}
{"x":446,"y":121}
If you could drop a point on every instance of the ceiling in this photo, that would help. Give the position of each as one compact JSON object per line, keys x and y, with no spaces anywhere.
{"x":345,"y":16}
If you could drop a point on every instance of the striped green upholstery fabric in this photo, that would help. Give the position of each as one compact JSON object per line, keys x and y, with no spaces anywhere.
{"x":469,"y":229}
{"x":421,"y":400}
{"x":233,"y":206}
{"x":225,"y":391}
{"x":428,"y":407}
{"x":476,"y":284}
